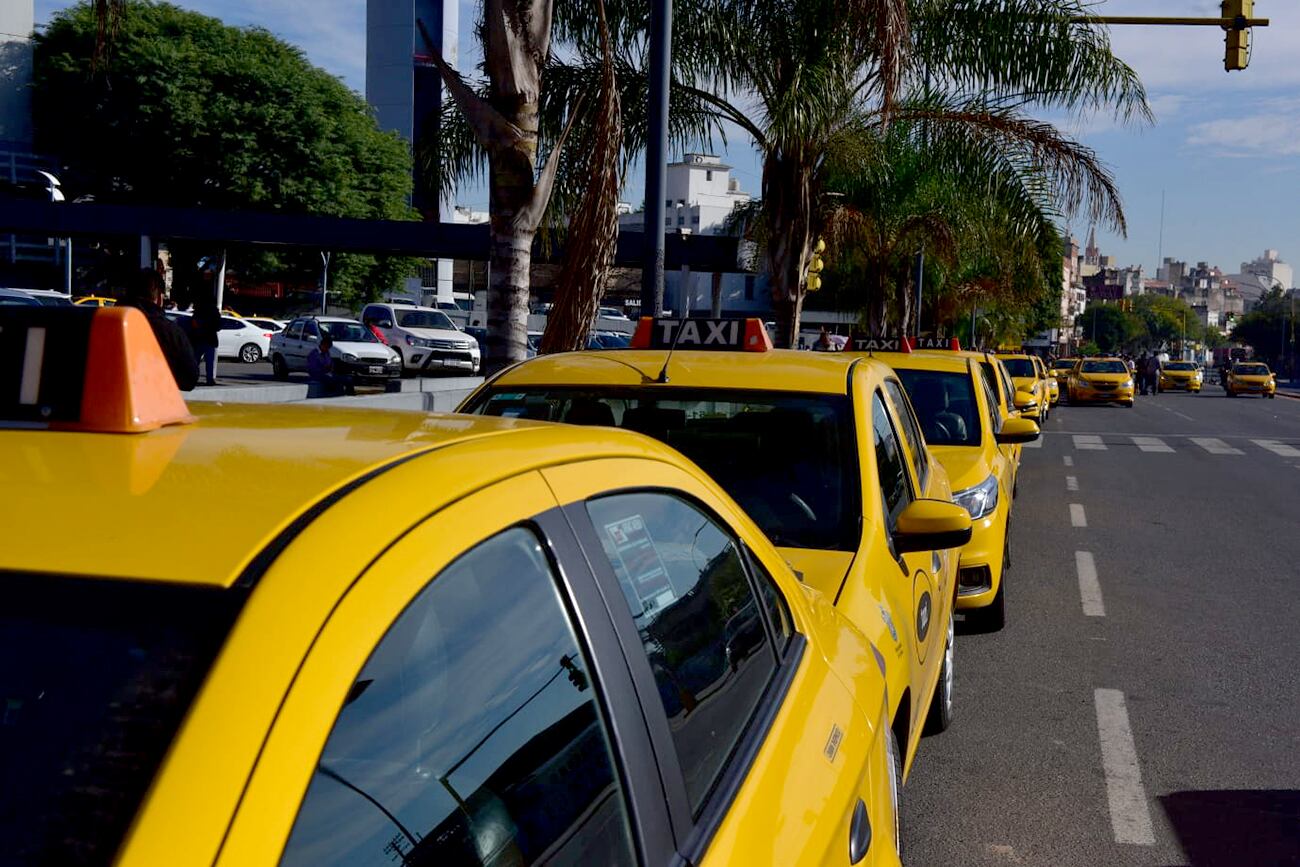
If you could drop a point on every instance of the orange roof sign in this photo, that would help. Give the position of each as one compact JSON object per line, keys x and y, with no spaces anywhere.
{"x":744,"y":335}
{"x":94,"y":369}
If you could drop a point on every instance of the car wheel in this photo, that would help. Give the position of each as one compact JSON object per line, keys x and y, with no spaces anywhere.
{"x":894,"y":756}
{"x":250,"y":353}
{"x":940,"y":715}
{"x":1129,"y":404}
{"x":402,"y":358}
{"x":1271,"y":396}
{"x":279,"y":368}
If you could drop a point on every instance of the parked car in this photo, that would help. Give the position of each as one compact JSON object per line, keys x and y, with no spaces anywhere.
{"x":17,"y":298}
{"x":611,"y":313}
{"x":424,"y":337}
{"x":48,"y":297}
{"x":271,"y":325}
{"x":356,"y":350}
{"x":238,"y":338}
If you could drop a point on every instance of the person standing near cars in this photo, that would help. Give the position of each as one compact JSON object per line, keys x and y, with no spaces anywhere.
{"x":146,"y":295}
{"x":204,"y":325}
{"x":320,"y":368}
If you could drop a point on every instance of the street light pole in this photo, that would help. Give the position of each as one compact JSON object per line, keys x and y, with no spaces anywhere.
{"x":656,"y":156}
{"x":56,"y":195}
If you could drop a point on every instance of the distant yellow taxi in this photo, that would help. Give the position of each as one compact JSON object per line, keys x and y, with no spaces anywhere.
{"x":964,"y":429}
{"x":1027,"y":378}
{"x":1060,"y":371}
{"x":95,"y":301}
{"x":1180,"y":376}
{"x":437,"y":640}
{"x":1101,"y":380}
{"x":823,"y":451}
{"x":1250,"y":377}
{"x":1053,"y":387}
{"x":1004,"y":392}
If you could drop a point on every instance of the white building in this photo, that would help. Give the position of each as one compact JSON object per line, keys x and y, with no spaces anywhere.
{"x":1265,"y":272}
{"x":701,"y":195}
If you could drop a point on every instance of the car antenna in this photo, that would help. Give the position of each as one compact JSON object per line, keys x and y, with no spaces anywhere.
{"x":662,"y":378}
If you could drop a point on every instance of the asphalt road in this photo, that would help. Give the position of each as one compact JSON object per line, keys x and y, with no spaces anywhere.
{"x":1161,"y":726}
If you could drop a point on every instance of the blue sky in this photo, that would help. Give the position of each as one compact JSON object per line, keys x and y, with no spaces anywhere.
{"x":1225,"y":148}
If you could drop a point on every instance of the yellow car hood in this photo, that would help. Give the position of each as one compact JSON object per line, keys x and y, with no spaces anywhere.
{"x":966,"y":465}
{"x":822,"y":570}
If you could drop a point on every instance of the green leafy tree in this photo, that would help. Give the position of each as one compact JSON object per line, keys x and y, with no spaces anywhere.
{"x":1112,"y":328}
{"x":181,"y":109}
{"x":1269,"y":328}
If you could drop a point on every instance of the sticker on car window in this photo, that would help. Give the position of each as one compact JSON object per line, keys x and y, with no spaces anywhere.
{"x":642,"y":567}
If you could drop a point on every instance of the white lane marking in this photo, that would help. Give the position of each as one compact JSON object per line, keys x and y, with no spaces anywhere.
{"x":1069,"y":461}
{"x":29,"y":389}
{"x":1215,"y":446}
{"x":1130,"y":817}
{"x":1151,"y":444}
{"x":1278,"y":448}
{"x":1072,"y":483}
{"x":1036,"y":444}
{"x":1089,"y":442}
{"x":1089,"y":586}
{"x":1077,"y":517}
{"x":1183,"y":415}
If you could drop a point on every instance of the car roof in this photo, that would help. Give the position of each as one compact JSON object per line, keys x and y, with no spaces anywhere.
{"x":197,"y":503}
{"x":938,"y":360}
{"x":774,"y":370}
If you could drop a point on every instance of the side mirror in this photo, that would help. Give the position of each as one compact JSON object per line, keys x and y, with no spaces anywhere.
{"x":1024,"y":399}
{"x":931,"y":525}
{"x":1017,"y":430}
{"x":312,"y":337}
{"x":385,"y":323}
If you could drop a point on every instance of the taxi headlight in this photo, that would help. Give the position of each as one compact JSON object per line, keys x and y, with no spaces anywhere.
{"x":348,"y":356}
{"x":980,"y":499}
{"x":1128,"y":383}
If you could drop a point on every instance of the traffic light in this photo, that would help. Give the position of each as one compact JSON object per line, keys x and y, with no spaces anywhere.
{"x":1237,"y":41}
{"x":815,"y":266}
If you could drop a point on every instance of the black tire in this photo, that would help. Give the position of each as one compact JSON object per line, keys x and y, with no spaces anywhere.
{"x":279,"y":368}
{"x":250,"y":353}
{"x":895,"y":758}
{"x":941,"y":706}
{"x":1271,"y":396}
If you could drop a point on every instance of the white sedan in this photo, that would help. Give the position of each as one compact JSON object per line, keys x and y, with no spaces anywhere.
{"x":238,"y":338}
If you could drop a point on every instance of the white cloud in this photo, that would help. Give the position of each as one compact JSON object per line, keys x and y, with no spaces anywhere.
{"x":1266,"y":133}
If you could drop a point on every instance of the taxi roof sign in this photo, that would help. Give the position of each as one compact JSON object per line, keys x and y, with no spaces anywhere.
{"x":94,"y":369}
{"x":898,"y":343}
{"x":722,"y":335}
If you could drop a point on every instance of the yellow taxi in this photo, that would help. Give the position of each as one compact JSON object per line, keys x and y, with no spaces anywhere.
{"x":823,"y":451}
{"x":1180,"y":376}
{"x":964,"y":431}
{"x":1250,"y":377}
{"x":94,"y":301}
{"x":1101,"y":380}
{"x":1004,"y":391}
{"x":1027,"y":378}
{"x":1053,"y":387}
{"x":437,"y":640}
{"x":1060,"y":371}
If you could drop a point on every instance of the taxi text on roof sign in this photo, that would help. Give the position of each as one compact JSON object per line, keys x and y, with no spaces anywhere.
{"x":85,"y":369}
{"x":896,"y":343}
{"x":747,"y":335}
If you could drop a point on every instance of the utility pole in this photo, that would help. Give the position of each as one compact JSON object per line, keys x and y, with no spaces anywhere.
{"x":1236,"y":20}
{"x":656,"y":156}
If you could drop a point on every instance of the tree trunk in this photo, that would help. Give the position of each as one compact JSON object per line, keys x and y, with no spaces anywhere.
{"x":877,"y":301}
{"x":510,"y":258}
{"x":788,"y":202}
{"x":904,"y":293}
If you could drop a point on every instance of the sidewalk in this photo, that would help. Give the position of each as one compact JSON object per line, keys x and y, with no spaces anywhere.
{"x":423,"y":394}
{"x":1289,"y":391}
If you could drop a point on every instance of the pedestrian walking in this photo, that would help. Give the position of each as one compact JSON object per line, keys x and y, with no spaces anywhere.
{"x":204,"y":325}
{"x":146,"y":294}
{"x":1140,"y":369}
{"x":1153,"y":374}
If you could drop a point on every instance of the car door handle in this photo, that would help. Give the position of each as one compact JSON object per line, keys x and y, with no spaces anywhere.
{"x":859,"y":833}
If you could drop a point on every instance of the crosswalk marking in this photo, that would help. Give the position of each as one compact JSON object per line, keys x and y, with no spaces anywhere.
{"x":1151,"y":444}
{"x":1089,"y":442}
{"x":1215,"y":446}
{"x":1278,"y":448}
{"x":1072,"y":483}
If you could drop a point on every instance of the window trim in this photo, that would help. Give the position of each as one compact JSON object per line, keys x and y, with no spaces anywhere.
{"x":890,"y":520}
{"x":693,"y":835}
{"x":922,"y":458}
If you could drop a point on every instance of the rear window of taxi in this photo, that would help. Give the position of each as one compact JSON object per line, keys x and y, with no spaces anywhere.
{"x":95,"y":678}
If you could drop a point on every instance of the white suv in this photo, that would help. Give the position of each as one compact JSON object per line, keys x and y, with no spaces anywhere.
{"x":424,"y":337}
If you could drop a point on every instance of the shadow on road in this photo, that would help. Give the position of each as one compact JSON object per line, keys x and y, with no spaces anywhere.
{"x":1236,"y":828}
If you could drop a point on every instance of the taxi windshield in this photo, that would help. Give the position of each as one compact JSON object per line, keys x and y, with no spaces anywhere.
{"x":349,"y":332}
{"x":95,"y":677}
{"x":1180,"y":365}
{"x":1251,"y":369}
{"x":788,"y":459}
{"x":1063,"y":364}
{"x":1104,"y":367}
{"x":1021,"y":367}
{"x":945,"y":405}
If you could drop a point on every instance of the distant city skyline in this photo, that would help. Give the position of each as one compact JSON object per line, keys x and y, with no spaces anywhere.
{"x":1225,"y":148}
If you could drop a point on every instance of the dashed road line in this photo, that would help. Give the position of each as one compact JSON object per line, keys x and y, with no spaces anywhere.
{"x":1072,"y":483}
{"x":1077,"y":516}
{"x":1152,"y":444}
{"x":1068,"y":460}
{"x":1089,"y":586}
{"x":1278,"y":448}
{"x":1216,"y":446}
{"x":1130,"y":816}
{"x":1183,"y":415}
{"x":1089,"y":442}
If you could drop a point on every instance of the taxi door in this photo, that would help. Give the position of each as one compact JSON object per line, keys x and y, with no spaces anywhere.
{"x":465,"y":702}
{"x":750,"y":726}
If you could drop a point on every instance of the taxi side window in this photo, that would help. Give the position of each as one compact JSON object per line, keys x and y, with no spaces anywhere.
{"x":991,"y":403}
{"x":894,"y":488}
{"x":472,"y":735}
{"x":700,"y":623}
{"x":911,"y":431}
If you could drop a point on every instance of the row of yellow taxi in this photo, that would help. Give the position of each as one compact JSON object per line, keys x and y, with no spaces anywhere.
{"x":707,"y":618}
